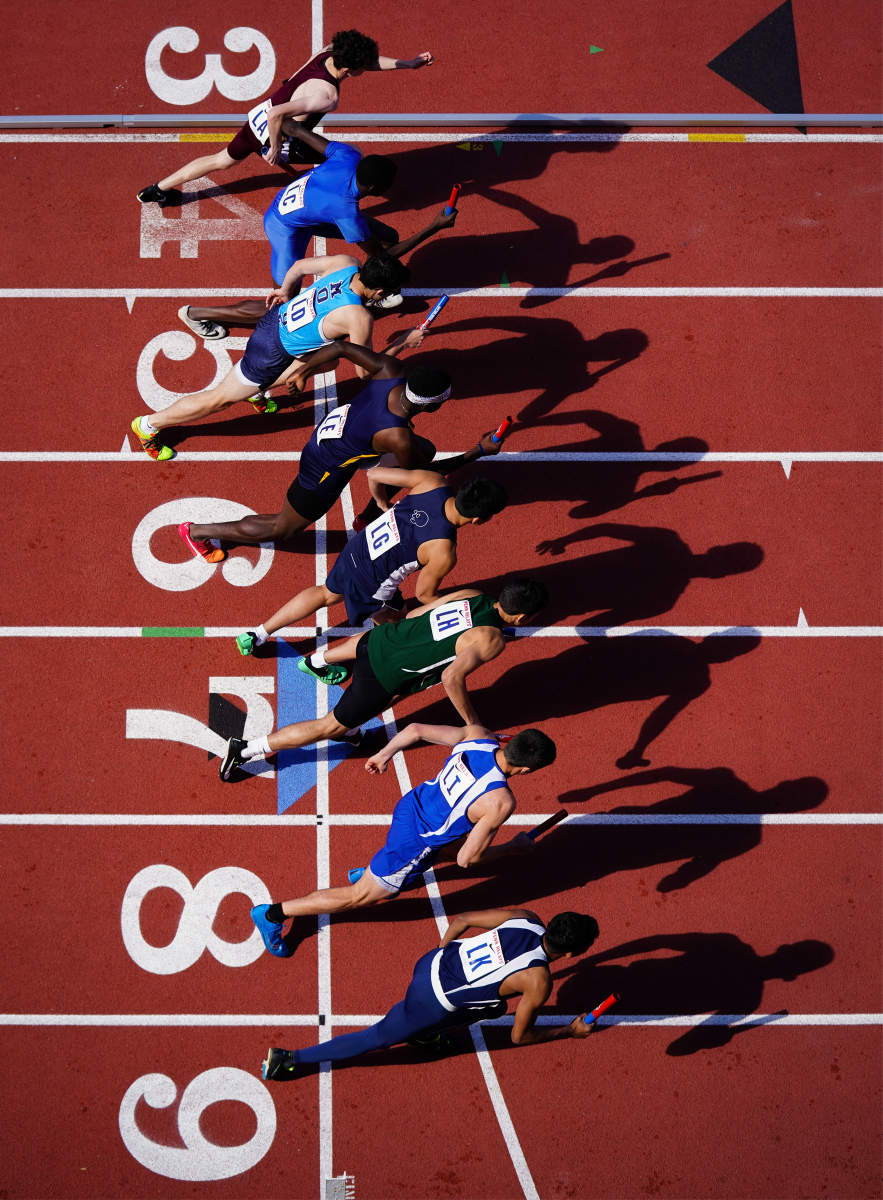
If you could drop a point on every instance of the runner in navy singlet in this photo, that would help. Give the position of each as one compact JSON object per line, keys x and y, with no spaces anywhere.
{"x":467,"y":980}
{"x":453,"y":817}
{"x":419,"y":533}
{"x":305,"y":97}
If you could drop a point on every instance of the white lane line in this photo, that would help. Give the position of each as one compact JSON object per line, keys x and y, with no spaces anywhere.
{"x":460,"y":137}
{"x":288,"y":820}
{"x":504,"y":457}
{"x":732,"y":291}
{"x":525,"y":631}
{"x":355,"y":1020}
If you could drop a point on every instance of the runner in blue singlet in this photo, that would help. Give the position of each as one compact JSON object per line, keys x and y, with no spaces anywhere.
{"x":467,"y":980}
{"x":455,"y":816}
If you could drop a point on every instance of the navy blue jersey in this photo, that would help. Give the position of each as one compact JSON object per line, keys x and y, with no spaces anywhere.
{"x":384,"y":554}
{"x":468,"y":972}
{"x":342,"y":442}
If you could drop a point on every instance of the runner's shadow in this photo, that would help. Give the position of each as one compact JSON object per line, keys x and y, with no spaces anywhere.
{"x":638,"y":667}
{"x":689,"y":974}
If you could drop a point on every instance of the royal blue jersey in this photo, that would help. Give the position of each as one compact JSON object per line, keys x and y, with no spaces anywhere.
{"x":441,"y":805}
{"x":327,"y":194}
{"x":300,"y":319}
{"x":468,"y":972}
{"x":343,"y":441}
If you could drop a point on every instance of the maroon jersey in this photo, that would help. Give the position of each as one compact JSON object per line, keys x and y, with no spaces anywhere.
{"x":254,"y":134}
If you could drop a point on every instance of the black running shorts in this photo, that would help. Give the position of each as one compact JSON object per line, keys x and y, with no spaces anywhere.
{"x":365,"y":697}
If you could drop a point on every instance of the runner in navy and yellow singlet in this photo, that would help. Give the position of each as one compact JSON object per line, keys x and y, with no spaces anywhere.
{"x":442,"y":642}
{"x":304,"y":98}
{"x":379,"y":421}
{"x":453,"y":817}
{"x":467,"y":979}
{"x":419,"y":533}
{"x":296,"y":322}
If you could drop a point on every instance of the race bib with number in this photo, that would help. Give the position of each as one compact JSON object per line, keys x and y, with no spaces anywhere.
{"x":455,"y":779}
{"x":293,"y":197}
{"x":382,"y":534}
{"x":481,"y":955}
{"x":300,"y":311}
{"x":258,"y":122}
{"x":449,"y":619}
{"x":333,"y":425}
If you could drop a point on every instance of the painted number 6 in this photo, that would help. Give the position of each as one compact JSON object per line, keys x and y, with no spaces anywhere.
{"x":183,"y":40}
{"x":202,"y":1160}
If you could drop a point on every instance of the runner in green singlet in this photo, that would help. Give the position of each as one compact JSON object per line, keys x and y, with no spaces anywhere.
{"x":441,"y":642}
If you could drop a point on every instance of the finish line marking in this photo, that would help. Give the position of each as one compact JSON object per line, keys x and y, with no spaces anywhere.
{"x":734,"y":291}
{"x":786,"y":458}
{"x":459,"y":137}
{"x":287,"y":820}
{"x":547,"y":631}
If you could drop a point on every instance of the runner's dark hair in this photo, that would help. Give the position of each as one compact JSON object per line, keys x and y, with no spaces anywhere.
{"x":352,"y":49}
{"x":530,"y":748}
{"x":375,"y":171}
{"x":428,"y":381}
{"x":381,"y":271}
{"x":523,"y":596}
{"x":479,"y":497}
{"x":571,"y":933}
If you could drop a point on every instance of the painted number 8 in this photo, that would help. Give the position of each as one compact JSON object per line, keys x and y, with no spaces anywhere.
{"x":194,"y":934}
{"x":183,"y":40}
{"x":201,"y":1160}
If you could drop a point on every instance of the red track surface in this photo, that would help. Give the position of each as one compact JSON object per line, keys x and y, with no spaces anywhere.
{"x":785,"y":728}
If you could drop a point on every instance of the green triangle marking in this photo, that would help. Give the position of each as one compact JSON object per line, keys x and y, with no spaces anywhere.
{"x":504,"y":282}
{"x":498,"y":146}
{"x":596,"y":49}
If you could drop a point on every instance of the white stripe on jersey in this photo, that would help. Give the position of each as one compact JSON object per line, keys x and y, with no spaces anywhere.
{"x":527,"y":959}
{"x":494,"y":776}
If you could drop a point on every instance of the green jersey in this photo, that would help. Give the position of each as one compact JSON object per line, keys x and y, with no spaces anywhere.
{"x":409,"y":655}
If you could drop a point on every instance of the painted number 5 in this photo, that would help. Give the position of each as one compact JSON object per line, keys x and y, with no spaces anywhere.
{"x":202,"y":1160}
{"x":183,"y":40}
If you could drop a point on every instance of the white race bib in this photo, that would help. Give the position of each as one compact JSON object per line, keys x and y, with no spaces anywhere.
{"x":300,"y":311}
{"x":481,"y":955}
{"x":382,"y":534}
{"x":258,"y":122}
{"x":293,"y":196}
{"x":449,"y":619}
{"x":455,"y":779}
{"x":333,"y":425}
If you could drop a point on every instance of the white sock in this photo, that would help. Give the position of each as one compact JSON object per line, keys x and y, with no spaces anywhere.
{"x":261,"y":635}
{"x":256,"y":748}
{"x":318,"y":659}
{"x":146,"y":426}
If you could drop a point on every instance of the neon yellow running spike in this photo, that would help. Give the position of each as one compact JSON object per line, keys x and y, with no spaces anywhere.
{"x":263,"y":403}
{"x":151,"y":444}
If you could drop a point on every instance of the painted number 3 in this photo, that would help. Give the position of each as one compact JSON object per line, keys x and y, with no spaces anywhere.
{"x":183,"y":40}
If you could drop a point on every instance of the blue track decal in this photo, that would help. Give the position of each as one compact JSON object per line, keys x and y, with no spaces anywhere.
{"x":296,"y":701}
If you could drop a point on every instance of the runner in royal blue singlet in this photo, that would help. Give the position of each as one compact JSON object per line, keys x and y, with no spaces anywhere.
{"x":467,"y":980}
{"x":453,"y":817}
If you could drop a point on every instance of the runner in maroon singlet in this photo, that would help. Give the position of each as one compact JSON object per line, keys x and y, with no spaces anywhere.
{"x":306,"y":96}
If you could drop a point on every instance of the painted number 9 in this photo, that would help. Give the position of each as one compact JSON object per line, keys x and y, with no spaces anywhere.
{"x":183,"y":40}
{"x":201,"y":1160}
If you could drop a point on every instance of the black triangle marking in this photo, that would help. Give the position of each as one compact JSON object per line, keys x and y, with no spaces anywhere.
{"x":224,"y":718}
{"x":763,"y":64}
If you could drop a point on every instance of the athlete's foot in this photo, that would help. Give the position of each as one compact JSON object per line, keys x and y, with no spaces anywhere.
{"x":279,"y":1065}
{"x":210,"y":330}
{"x":153,"y":195}
{"x":331,"y":673}
{"x":263,"y":403}
{"x":200,"y":547}
{"x":151,"y":444}
{"x":271,"y":932}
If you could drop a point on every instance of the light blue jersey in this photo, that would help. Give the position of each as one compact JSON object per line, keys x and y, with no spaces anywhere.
{"x":300,"y":319}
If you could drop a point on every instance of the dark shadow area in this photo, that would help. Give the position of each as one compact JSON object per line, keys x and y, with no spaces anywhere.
{"x":700,"y":973}
{"x":638,"y":667}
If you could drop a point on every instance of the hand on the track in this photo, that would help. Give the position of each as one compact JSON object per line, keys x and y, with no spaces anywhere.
{"x":632,"y":759}
{"x":376,"y":764}
{"x":415,"y":338}
{"x":521,"y":844}
{"x":296,"y":382}
{"x":277,"y":296}
{"x":272,"y":156}
{"x":579,"y":1029}
{"x":488,"y":445}
{"x":422,"y":60}
{"x":444,"y":219}
{"x":552,"y":545}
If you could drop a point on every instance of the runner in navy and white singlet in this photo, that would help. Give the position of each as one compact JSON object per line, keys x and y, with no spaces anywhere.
{"x":453,"y":817}
{"x":419,"y":533}
{"x":467,"y":980}
{"x":305,"y":97}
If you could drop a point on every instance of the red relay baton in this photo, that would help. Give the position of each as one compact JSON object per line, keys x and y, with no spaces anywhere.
{"x":612,"y":999}
{"x":549,"y":823}
{"x":452,"y":199}
{"x":502,"y":429}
